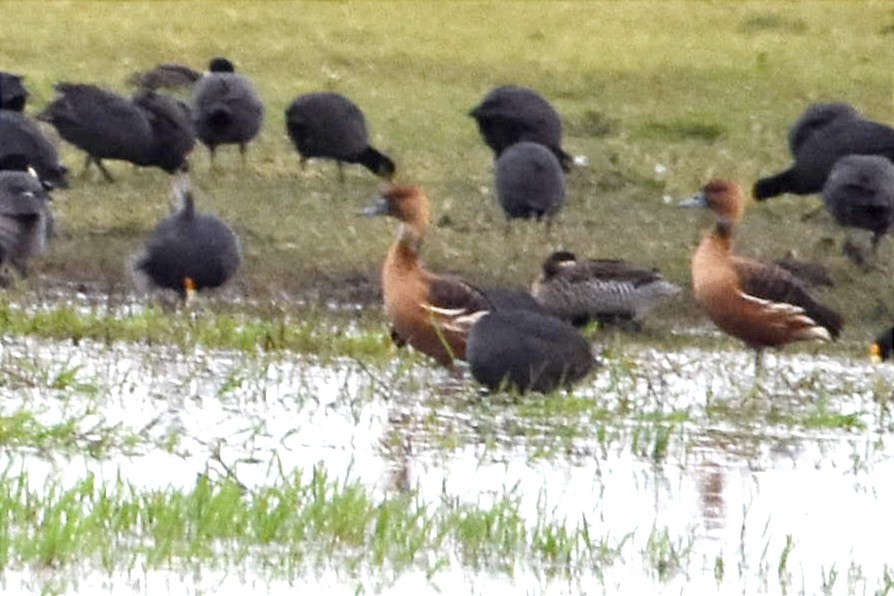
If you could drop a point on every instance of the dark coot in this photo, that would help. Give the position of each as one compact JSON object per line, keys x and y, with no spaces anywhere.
{"x":188,"y":250}
{"x":523,"y":350}
{"x":227,"y":109}
{"x":331,"y":126}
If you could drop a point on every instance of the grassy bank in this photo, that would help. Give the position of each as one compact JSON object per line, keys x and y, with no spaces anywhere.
{"x":660,"y":96}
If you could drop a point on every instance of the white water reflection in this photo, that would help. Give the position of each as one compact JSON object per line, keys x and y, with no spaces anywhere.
{"x":726,"y":494}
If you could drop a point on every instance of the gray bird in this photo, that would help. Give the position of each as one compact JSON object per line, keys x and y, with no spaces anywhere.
{"x":149,"y":129}
{"x":25,"y":220}
{"x":226,"y":108}
{"x":606,"y":290}
{"x":530,"y":182}
{"x":188,"y":250}
{"x":13,"y":94}
{"x":824,"y":133}
{"x":510,"y":114}
{"x":331,"y":126}
{"x":859,"y":193}
{"x":165,"y":76}
{"x":19,"y":135}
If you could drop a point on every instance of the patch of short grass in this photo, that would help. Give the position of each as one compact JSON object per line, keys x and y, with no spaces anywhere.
{"x":21,"y":430}
{"x":666,"y":554}
{"x":683,"y":130}
{"x":302,"y":523}
{"x":314,"y":332}
{"x":781,"y":23}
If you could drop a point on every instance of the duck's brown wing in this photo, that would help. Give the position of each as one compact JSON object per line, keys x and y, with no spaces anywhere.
{"x":808,"y":272}
{"x":457,"y":303}
{"x":169,"y":76}
{"x":453,"y":293}
{"x":771,"y":282}
{"x":611,"y":270}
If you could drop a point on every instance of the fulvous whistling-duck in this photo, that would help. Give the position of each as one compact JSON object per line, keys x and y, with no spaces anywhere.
{"x":522,"y":350}
{"x":22,"y":137}
{"x":883,"y":346}
{"x":529,"y":181}
{"x":824,"y":133}
{"x":149,"y":129}
{"x":510,"y":114}
{"x":605,"y":290}
{"x":432,"y":313}
{"x":25,"y":219}
{"x":13,"y":94}
{"x":188,"y":251}
{"x":859,"y":193}
{"x":759,"y":303}
{"x":331,"y":126}
{"x":226,"y":108}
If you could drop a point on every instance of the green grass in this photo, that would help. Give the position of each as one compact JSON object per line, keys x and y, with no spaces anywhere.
{"x":302,"y":523}
{"x":702,"y":89}
{"x":22,"y":431}
{"x":323,"y":334}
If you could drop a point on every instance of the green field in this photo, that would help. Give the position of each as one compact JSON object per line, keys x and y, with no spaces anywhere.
{"x":661,"y":96}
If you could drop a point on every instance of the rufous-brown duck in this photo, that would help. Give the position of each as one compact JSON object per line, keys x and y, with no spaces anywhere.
{"x":433,"y":313}
{"x":762,"y":304}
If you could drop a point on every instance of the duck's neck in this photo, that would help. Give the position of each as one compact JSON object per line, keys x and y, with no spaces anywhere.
{"x":723,"y":231}
{"x":712,"y":269}
{"x":405,"y":250}
{"x":714,"y":249}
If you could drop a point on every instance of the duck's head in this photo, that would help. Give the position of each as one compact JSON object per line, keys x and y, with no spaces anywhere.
{"x":405,"y":203}
{"x":556,"y":262}
{"x":724,"y":198}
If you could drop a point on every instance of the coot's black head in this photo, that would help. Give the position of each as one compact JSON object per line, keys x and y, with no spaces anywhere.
{"x":220,"y":64}
{"x":15,"y":162}
{"x":13,"y":94}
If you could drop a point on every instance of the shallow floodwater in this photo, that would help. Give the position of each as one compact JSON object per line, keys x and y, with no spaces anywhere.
{"x":750,"y":493}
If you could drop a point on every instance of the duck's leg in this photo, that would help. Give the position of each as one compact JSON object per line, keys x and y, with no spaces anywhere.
{"x":21,"y":267}
{"x":341,"y":172}
{"x":212,"y":153}
{"x":5,"y":280}
{"x":813,"y":213}
{"x":102,"y":168}
{"x":243,"y":152}
{"x":876,"y":238}
{"x":549,"y":225}
{"x":758,"y":362}
{"x":87,"y":161}
{"x":852,"y":251}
